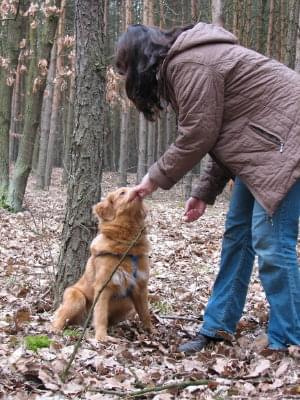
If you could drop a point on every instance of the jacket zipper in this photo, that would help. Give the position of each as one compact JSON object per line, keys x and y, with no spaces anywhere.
{"x":272,"y":137}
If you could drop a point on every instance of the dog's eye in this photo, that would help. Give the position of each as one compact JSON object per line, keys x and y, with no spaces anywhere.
{"x":122,"y":193}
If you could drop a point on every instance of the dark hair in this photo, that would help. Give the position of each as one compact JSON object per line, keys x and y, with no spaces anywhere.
{"x":140,"y":52}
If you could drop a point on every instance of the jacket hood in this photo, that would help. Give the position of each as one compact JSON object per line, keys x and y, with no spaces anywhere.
{"x":201,"y":34}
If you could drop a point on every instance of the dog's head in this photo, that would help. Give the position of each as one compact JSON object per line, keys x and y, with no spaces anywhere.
{"x":122,"y":202}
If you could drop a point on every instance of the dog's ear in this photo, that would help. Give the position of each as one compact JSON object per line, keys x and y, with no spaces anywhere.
{"x":104,"y":210}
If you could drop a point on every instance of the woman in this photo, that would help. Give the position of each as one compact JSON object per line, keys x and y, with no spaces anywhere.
{"x":244,"y":110}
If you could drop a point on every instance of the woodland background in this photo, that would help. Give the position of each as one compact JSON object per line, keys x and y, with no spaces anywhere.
{"x":67,"y":136}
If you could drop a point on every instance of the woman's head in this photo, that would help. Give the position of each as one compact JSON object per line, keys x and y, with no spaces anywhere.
{"x":140,"y":51}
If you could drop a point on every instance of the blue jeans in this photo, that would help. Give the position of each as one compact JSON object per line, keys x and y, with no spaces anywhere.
{"x":249,"y":231}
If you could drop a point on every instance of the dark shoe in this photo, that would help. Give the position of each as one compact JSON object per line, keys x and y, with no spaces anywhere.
{"x":197,"y":344}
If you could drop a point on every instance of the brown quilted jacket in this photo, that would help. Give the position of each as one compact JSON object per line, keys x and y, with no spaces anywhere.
{"x":237,"y":105}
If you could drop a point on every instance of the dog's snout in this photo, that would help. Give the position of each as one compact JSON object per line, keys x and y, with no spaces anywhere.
{"x":132,"y":195}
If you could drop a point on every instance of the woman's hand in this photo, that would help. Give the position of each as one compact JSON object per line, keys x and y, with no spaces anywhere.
{"x":146,"y":187}
{"x":194,"y":209}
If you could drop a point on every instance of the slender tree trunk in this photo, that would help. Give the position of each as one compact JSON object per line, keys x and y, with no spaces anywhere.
{"x":290,"y":55}
{"x":84,"y":185}
{"x":188,"y":181}
{"x":142,"y":149}
{"x":123,"y":163}
{"x":9,"y":40}
{"x":151,"y":144}
{"x":125,"y":107}
{"x":57,"y":96}
{"x":270,"y":30}
{"x":5,"y":104}
{"x":217,"y":12}
{"x":69,"y":131}
{"x":283,"y":26}
{"x":160,"y":137}
{"x":35,"y":85}
{"x":16,"y":120}
{"x":297,"y":62}
{"x":194,"y":11}
{"x":236,"y":17}
{"x":169,"y":129}
{"x":45,"y":121}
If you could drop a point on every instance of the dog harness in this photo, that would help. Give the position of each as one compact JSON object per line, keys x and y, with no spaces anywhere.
{"x":135,"y":266}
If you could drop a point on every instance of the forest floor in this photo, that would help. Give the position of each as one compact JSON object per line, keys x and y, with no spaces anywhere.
{"x":184,"y":264}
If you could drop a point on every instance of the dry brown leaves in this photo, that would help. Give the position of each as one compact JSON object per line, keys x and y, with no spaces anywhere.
{"x":184,"y":263}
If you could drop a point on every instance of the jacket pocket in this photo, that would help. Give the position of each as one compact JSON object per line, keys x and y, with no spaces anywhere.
{"x":268,"y":135}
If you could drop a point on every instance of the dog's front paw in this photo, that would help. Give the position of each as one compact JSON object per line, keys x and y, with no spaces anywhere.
{"x":57,"y":326}
{"x":147,"y":325}
{"x":103,"y":337}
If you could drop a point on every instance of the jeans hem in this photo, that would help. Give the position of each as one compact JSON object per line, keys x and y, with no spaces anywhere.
{"x":212,"y":333}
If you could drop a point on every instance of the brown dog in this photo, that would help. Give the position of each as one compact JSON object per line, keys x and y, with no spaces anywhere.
{"x":121,"y":217}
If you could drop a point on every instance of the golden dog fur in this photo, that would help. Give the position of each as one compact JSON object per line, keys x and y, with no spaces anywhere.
{"x":121,"y":217}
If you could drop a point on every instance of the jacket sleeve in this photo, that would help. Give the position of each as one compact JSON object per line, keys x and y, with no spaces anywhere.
{"x":199,"y":99}
{"x":211,"y":182}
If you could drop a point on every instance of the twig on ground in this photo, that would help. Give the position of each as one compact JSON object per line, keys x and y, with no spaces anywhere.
{"x":90,"y":313}
{"x":178,"y":317}
{"x":151,"y":389}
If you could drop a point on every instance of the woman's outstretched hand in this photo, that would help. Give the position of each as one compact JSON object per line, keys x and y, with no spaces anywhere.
{"x":194,"y":209}
{"x":146,"y":187}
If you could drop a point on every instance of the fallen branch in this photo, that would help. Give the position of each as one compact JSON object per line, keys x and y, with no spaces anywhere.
{"x":151,"y":389}
{"x":65,"y":372}
{"x":178,"y":317}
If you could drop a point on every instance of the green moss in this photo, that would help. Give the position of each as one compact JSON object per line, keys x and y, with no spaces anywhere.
{"x":162,"y":307}
{"x":37,"y":342}
{"x":3,"y":204}
{"x":71,"y":332}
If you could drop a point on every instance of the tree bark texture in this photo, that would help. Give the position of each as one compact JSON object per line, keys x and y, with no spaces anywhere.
{"x":217,"y":12}
{"x":297,"y":62}
{"x":68,"y":131}
{"x":123,"y":164}
{"x":290,"y":54}
{"x":84,"y":186}
{"x":57,"y":95}
{"x":142,"y":150}
{"x":125,"y":108}
{"x":45,"y":121}
{"x":9,"y":39}
{"x":40,"y":45}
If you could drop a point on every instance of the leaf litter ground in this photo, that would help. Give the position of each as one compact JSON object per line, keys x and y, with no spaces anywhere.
{"x":184,"y":262}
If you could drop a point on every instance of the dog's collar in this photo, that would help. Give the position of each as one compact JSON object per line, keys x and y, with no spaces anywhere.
{"x":110,"y":253}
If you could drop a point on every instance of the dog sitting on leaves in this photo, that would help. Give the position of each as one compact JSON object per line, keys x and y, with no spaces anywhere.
{"x":121,"y":218}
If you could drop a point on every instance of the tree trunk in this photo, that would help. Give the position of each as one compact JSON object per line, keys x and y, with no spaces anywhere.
{"x":125,"y":112}
{"x":142,"y":146}
{"x":84,"y":186}
{"x":217,"y":12}
{"x":151,"y":144}
{"x":57,"y":95}
{"x":5,"y":104}
{"x":10,"y":33}
{"x":142,"y":149}
{"x":297,"y":62}
{"x":290,"y":54}
{"x":169,"y":128}
{"x":270,"y":30}
{"x":194,"y":11}
{"x":123,"y":163}
{"x":69,"y":131}
{"x":188,"y":181}
{"x":16,"y":120}
{"x":160,"y":137}
{"x":35,"y":85}
{"x":45,"y":122}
